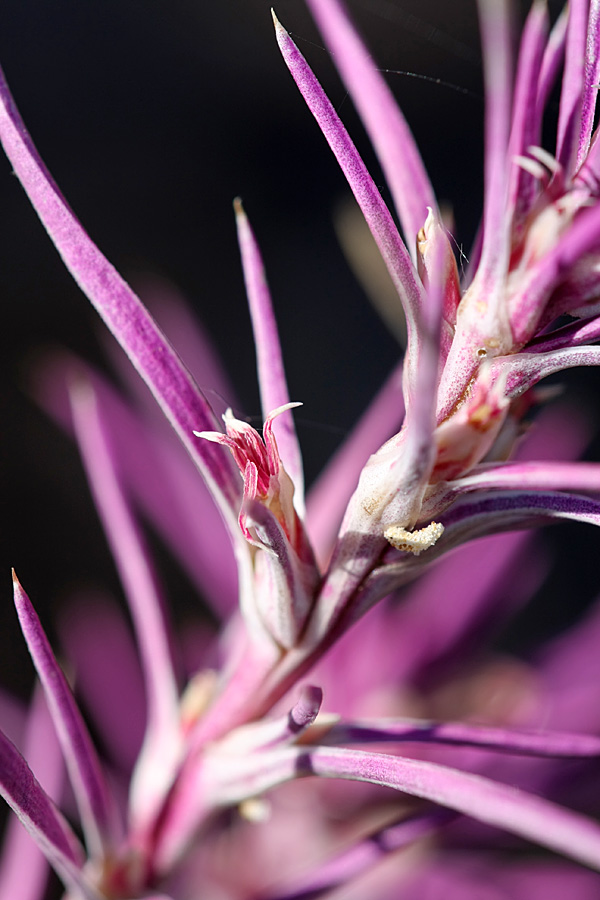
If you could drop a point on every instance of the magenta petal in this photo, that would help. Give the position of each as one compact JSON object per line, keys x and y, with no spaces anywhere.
{"x":160,"y":477}
{"x":390,"y":135}
{"x":496,"y":44}
{"x":558,"y":476}
{"x":503,"y":740}
{"x":366,"y":853}
{"x":161,"y":743}
{"x":269,"y":359}
{"x":85,"y":772}
{"x":523,"y":370}
{"x":591,"y":76}
{"x":23,"y":867}
{"x":506,"y":510}
{"x":376,"y":213}
{"x":174,"y":389}
{"x":41,"y":818}
{"x":526,"y":119}
{"x":494,"y":803}
{"x":553,"y":57}
{"x":572,"y":86}
{"x":133,"y":562}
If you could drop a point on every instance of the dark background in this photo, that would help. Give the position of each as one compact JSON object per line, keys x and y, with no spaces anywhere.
{"x":152,"y":116}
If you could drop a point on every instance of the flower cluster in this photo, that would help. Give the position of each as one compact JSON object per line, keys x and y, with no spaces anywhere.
{"x":182,"y":813}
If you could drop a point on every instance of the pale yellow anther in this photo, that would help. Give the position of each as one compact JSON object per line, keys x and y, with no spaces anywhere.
{"x":414,"y":541}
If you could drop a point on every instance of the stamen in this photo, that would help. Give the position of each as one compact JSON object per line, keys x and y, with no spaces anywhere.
{"x":414,"y":541}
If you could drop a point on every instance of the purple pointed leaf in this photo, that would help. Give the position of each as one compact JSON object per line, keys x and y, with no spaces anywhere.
{"x":581,"y":238}
{"x":173,"y":387}
{"x":569,"y":118}
{"x":351,"y":863}
{"x":23,"y":866}
{"x":494,"y":21}
{"x":159,"y":476}
{"x":269,"y":359}
{"x":42,"y":819}
{"x":590,"y":78}
{"x":523,"y":370}
{"x":526,"y":119}
{"x":161,"y":745}
{"x":528,"y":816}
{"x":376,"y":213}
{"x":85,"y":772}
{"x":503,"y":740}
{"x":132,"y":559}
{"x":553,"y":57}
{"x":390,"y":135}
{"x":558,"y":476}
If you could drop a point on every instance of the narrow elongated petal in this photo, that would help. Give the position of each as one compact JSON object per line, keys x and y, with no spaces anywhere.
{"x":470,"y":518}
{"x":42,"y":819}
{"x":569,"y":118}
{"x":389,"y":133}
{"x":180,"y":399}
{"x":541,"y":475}
{"x":496,"y":41}
{"x":82,"y":762}
{"x":526,"y":120}
{"x":364,"y":854}
{"x":590,"y":78}
{"x":514,"y":509}
{"x":523,"y":370}
{"x":23,"y":867}
{"x":157,"y":474}
{"x":553,"y":57}
{"x":145,"y":603}
{"x":494,"y":803}
{"x":584,"y":331}
{"x":269,"y":359}
{"x":369,"y":199}
{"x":535,"y":743}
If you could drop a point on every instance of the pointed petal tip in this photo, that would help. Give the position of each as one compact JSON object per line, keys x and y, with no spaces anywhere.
{"x":276,"y":21}
{"x":238,"y":208}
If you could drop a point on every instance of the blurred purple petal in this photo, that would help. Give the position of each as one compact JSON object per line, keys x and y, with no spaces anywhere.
{"x":154,"y":358}
{"x":23,"y":867}
{"x":572,"y":86}
{"x":143,"y":595}
{"x":42,"y":820}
